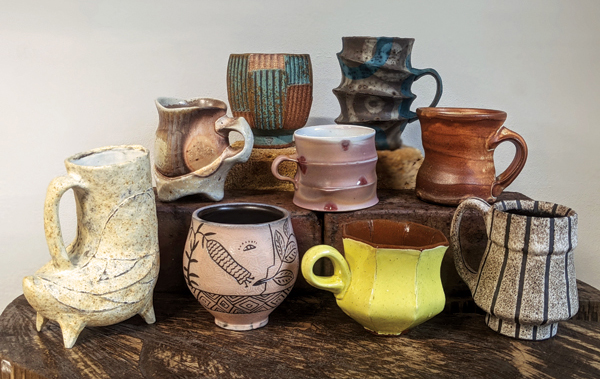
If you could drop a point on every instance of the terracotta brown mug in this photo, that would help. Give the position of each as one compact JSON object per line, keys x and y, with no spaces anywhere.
{"x":459,"y":146}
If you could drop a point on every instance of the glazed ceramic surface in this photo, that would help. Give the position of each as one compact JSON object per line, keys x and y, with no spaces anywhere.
{"x":459,"y":146}
{"x":240,"y":261}
{"x":336,"y":168}
{"x":273,"y":92}
{"x":375,"y":90}
{"x":107,"y":274}
{"x":192,"y":150}
{"x":526,"y":279}
{"x":389,"y":280}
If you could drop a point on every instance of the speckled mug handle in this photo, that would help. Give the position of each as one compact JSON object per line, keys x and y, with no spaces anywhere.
{"x":56,"y":246}
{"x":466,"y":273}
{"x":275,"y":168}
{"x":338,"y":282}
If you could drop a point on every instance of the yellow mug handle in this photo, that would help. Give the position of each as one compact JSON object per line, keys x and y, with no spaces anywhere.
{"x":338,"y":282}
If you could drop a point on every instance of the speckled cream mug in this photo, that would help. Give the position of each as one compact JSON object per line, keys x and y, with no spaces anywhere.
{"x":526,"y":278}
{"x":389,"y":280}
{"x":336,"y":168}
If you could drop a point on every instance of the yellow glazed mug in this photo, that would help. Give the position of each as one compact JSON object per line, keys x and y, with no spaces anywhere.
{"x":389,"y":280}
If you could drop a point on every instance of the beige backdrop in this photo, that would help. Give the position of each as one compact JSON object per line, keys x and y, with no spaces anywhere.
{"x":76,"y":75}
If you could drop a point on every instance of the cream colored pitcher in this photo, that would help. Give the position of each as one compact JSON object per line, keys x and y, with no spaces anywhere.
{"x":107,"y":274}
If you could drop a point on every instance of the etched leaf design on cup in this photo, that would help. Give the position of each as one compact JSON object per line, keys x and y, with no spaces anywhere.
{"x":287,"y":251}
{"x":284,"y":277}
{"x":291,"y":252}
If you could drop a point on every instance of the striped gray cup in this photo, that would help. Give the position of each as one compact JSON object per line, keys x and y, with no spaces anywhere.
{"x":526,"y":278}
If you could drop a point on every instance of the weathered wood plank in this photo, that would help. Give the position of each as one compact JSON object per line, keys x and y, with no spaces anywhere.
{"x":308,"y":336}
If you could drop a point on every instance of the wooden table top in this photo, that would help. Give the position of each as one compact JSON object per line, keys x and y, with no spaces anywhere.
{"x":308,"y":336}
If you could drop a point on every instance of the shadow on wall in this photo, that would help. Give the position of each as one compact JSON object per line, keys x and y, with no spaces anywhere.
{"x":312,"y":121}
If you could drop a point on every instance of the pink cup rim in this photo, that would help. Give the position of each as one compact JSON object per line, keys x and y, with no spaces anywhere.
{"x":334,"y":133}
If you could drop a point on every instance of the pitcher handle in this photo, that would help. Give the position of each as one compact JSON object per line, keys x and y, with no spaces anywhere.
{"x":514,"y":169}
{"x":242,"y":127}
{"x":56,"y":246}
{"x":438,"y":91}
{"x":275,"y":168}
{"x":338,"y":282}
{"x":465,"y":272}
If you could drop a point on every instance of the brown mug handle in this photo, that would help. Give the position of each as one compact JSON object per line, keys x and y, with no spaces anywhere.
{"x":514,"y":169}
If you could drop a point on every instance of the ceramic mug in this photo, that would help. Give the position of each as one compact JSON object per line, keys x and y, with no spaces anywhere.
{"x":336,"y":168}
{"x":459,"y":148}
{"x":389,"y":280}
{"x":107,"y":274}
{"x":240,"y":262}
{"x":526,"y":278}
{"x":375,"y":90}
{"x":273,"y":92}
{"x":193,"y":153}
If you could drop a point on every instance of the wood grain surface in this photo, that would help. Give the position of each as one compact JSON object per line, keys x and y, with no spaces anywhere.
{"x":308,"y":336}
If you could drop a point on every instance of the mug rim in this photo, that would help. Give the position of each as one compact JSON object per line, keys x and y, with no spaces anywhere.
{"x":405,"y":224}
{"x":196,"y":214}
{"x":460,"y":113}
{"x":72,"y":160}
{"x":163,"y":103}
{"x":271,"y":54}
{"x":517,"y":205}
{"x":365,"y":132}
{"x":373,"y":37}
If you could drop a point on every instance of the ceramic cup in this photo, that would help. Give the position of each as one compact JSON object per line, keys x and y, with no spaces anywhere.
{"x":336,"y":168}
{"x":377,"y":76}
{"x":107,"y":274}
{"x":240,"y":261}
{"x":193,"y":153}
{"x":459,"y":148}
{"x":273,"y":92}
{"x":526,"y":278}
{"x":389,"y":280}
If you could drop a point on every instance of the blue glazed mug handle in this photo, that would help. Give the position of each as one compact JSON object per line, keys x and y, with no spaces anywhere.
{"x":439,"y":88}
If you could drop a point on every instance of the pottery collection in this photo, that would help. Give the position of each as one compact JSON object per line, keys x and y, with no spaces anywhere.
{"x":336,"y":168}
{"x":459,"y":146}
{"x":241,"y":260}
{"x":273,"y":92}
{"x":375,"y":90}
{"x":389,"y":277}
{"x":108,"y":273}
{"x":526,"y":279}
{"x":192,"y":149}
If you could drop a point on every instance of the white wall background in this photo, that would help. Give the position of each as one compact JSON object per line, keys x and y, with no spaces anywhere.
{"x":76,"y":75}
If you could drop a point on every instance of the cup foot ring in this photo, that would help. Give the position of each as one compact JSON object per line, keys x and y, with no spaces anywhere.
{"x":525,"y":332}
{"x":242,"y":327}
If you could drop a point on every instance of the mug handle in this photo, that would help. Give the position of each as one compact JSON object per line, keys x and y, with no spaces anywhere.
{"x":514,"y":169}
{"x":275,"y":168}
{"x":465,"y":272}
{"x":438,"y":91}
{"x":243,"y":128}
{"x":338,"y":282}
{"x":56,"y":189}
